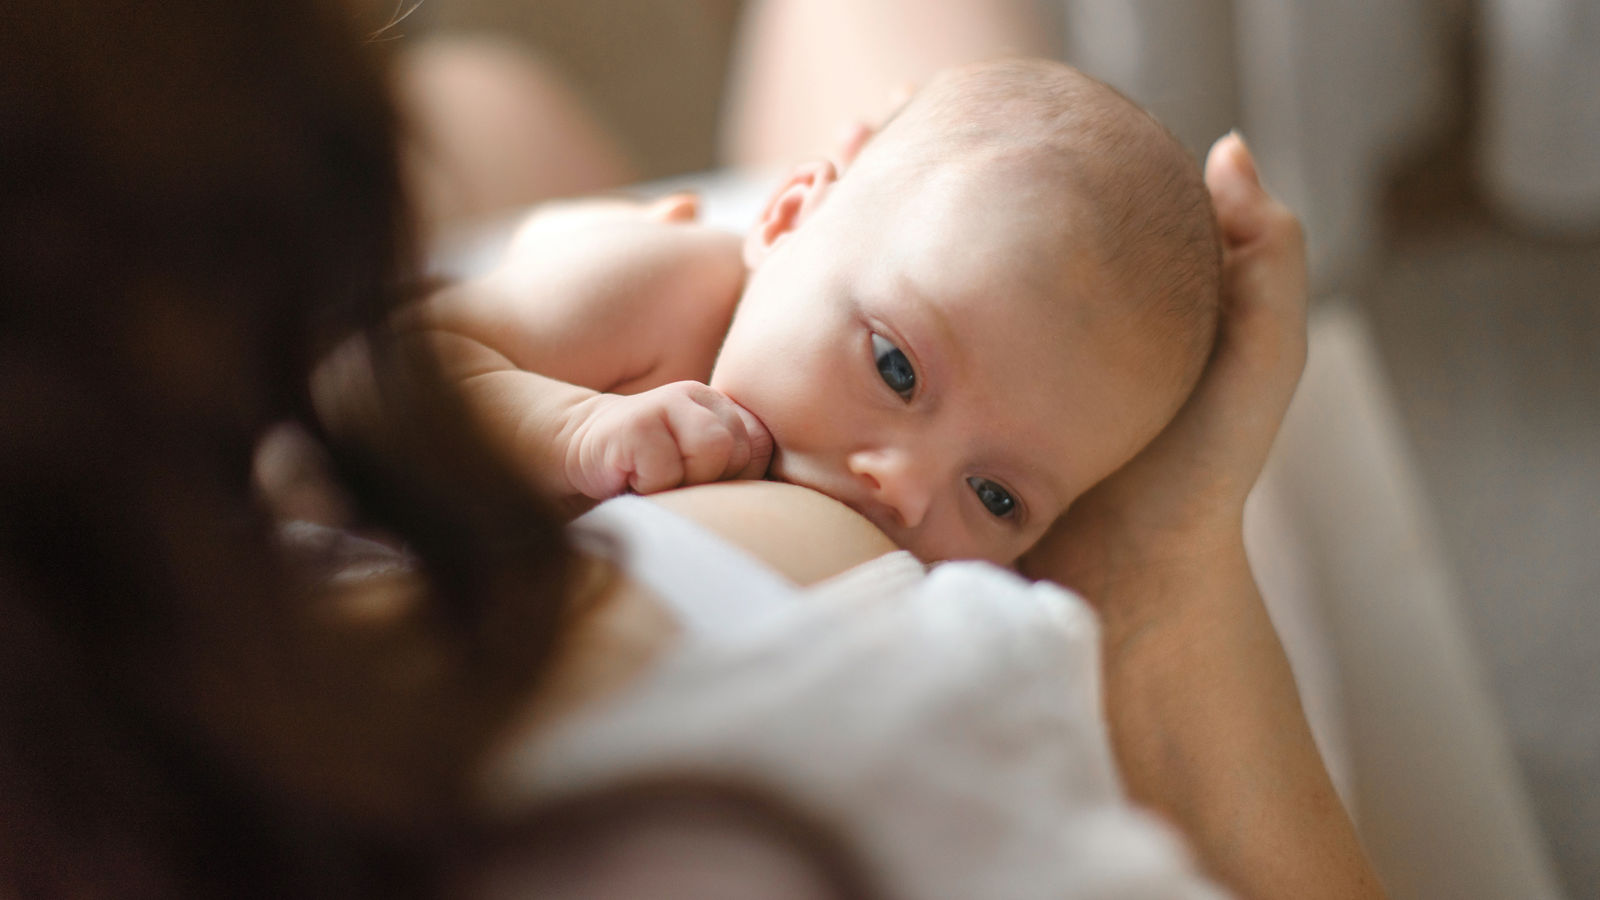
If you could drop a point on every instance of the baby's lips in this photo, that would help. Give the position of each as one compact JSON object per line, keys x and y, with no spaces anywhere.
{"x":760,"y":444}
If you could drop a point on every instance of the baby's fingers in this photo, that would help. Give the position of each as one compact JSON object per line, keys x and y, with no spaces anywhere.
{"x":657,"y":463}
{"x":759,"y":443}
{"x":714,"y":435}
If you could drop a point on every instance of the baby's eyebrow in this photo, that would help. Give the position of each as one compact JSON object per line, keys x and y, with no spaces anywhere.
{"x":937,"y":339}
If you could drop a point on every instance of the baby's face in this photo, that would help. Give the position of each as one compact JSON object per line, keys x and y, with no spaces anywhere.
{"x":942,"y":363}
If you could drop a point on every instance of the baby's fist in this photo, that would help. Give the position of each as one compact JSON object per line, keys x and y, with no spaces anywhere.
{"x":677,"y":434}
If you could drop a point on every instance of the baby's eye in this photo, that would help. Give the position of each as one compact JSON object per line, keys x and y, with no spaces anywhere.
{"x":893,"y":367}
{"x":996,"y":499}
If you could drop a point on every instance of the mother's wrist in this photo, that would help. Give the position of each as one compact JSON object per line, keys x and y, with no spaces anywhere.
{"x":1208,"y":580}
{"x":1124,"y":538}
{"x":1126,"y":568}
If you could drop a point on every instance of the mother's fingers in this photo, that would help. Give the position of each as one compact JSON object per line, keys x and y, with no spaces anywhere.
{"x":1236,"y":190}
{"x":1264,"y":288}
{"x":1245,"y":211}
{"x":1235,"y":410}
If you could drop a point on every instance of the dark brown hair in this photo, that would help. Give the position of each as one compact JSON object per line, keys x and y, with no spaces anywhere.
{"x":592,"y":829}
{"x":196,"y":199}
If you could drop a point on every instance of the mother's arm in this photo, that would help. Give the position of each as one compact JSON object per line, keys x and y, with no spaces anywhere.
{"x":1204,"y":714}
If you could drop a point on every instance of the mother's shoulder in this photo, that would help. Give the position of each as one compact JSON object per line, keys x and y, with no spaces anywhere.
{"x":805,"y":535}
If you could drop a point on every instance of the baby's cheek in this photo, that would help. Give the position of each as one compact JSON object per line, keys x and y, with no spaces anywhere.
{"x":951,"y":543}
{"x":1015,"y":558}
{"x":764,"y":396}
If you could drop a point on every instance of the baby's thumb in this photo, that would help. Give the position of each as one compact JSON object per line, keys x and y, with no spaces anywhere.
{"x":760,"y":445}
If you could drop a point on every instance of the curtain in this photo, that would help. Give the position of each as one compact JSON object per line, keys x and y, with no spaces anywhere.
{"x":1332,"y":94}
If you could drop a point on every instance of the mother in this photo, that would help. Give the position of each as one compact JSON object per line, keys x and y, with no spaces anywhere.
{"x":199,"y":200}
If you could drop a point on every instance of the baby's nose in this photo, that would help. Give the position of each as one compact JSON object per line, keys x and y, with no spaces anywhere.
{"x":895,"y":479}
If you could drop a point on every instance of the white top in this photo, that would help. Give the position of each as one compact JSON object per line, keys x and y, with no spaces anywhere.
{"x":950,"y":722}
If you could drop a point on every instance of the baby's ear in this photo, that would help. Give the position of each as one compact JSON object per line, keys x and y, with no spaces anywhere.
{"x":794,"y":202}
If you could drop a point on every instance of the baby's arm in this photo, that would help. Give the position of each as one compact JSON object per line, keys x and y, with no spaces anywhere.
{"x":573,"y":442}
{"x":608,"y":295}
{"x":582,"y":352}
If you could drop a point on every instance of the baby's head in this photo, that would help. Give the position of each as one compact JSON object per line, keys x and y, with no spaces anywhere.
{"x":1007,"y":296}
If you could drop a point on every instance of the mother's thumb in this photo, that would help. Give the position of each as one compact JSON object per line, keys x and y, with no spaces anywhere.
{"x":1242,"y":204}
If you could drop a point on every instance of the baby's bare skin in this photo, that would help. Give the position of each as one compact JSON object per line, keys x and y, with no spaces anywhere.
{"x":586,"y":351}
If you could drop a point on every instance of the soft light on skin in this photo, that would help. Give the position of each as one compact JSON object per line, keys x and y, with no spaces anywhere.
{"x":1027,"y":374}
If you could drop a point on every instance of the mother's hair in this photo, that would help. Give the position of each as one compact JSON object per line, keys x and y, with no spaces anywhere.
{"x":197,"y":199}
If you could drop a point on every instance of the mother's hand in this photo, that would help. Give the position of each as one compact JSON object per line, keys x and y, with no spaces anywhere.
{"x":1181,"y":500}
{"x":1201,"y":703}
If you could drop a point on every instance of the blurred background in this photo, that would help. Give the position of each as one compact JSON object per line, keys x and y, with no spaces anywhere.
{"x":1444,"y":156}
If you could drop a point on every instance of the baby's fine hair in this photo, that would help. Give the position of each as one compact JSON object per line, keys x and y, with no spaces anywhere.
{"x":1138,"y":191}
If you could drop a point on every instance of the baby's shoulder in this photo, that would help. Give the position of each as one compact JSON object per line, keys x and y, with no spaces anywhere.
{"x":679,"y":286}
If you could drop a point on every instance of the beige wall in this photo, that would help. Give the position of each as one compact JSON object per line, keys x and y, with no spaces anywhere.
{"x":652,"y":69}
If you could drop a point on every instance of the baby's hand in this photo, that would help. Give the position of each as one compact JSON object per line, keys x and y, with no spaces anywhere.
{"x":674,"y":435}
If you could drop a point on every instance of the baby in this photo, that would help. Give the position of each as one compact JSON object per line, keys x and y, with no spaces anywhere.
{"x":1004,"y":298}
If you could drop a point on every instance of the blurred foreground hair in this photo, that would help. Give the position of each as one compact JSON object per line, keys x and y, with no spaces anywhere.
{"x":197,"y":199}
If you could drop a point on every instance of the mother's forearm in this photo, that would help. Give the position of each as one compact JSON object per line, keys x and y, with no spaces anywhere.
{"x":1208,"y":730}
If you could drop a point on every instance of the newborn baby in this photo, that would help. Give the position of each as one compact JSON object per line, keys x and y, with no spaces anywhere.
{"x":1006,"y":296}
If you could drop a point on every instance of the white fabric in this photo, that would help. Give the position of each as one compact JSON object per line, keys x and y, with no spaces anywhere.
{"x":951,"y":727}
{"x":714,"y":589}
